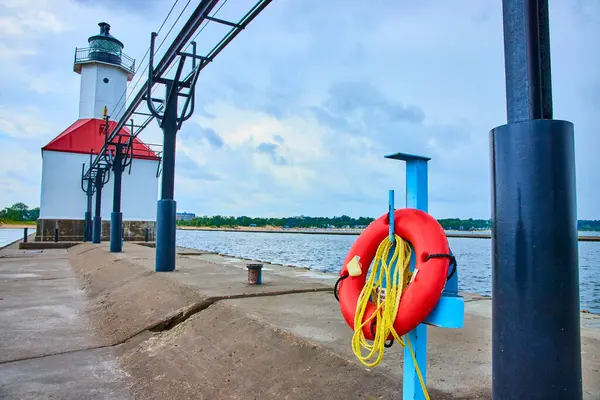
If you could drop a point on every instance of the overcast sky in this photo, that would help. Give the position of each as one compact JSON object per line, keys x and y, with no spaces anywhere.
{"x":296,"y":114}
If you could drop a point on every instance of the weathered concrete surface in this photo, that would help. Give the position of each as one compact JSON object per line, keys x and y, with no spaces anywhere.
{"x":220,"y":353}
{"x":219,"y":277}
{"x":45,"y":336}
{"x":202,"y":332}
{"x":92,"y":374}
{"x":126,"y":298}
{"x":34,"y":325}
{"x":458,"y":360}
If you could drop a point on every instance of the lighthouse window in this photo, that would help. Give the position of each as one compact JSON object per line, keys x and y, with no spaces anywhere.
{"x":105,"y":80}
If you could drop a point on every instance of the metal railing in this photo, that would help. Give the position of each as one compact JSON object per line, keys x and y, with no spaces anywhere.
{"x":87,"y":54}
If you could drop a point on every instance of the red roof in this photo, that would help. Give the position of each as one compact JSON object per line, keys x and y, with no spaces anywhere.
{"x":87,"y":135}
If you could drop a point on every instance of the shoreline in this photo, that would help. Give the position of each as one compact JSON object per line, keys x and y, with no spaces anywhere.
{"x":17,"y":226}
{"x":346,"y":232}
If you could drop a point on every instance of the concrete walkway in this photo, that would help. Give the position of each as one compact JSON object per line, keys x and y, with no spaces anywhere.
{"x":87,"y":323}
{"x":47,"y":348}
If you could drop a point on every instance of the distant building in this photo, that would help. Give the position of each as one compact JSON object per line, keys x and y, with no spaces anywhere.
{"x":185,"y":216}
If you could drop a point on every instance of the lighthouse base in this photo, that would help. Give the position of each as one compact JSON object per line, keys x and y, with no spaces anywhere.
{"x":72,"y":230}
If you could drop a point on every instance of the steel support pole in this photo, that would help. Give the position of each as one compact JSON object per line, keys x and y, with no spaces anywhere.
{"x":97,"y":234}
{"x":116,"y":217}
{"x":166,"y":211}
{"x":87,"y":229}
{"x":536,"y":345}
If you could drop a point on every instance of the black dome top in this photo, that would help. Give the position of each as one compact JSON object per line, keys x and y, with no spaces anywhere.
{"x":105,"y":35}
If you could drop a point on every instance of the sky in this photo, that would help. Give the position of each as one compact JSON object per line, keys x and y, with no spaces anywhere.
{"x":295,"y":116}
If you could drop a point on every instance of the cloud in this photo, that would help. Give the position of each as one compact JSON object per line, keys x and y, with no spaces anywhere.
{"x":130,"y":6}
{"x":271,"y":150}
{"x":188,"y":168}
{"x":14,"y":54}
{"x":24,"y":124}
{"x":296,"y":114}
{"x":27,"y":19}
{"x":20,"y":167}
{"x":198,"y":134}
{"x":213,"y":138}
{"x":268,"y":148}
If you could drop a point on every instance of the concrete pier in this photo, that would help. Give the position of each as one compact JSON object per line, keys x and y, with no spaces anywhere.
{"x":87,"y":323}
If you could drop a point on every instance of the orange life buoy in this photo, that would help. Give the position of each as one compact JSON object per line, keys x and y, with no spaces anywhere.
{"x":421,"y":295}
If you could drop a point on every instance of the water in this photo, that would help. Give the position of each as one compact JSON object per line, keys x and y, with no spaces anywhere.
{"x":326,"y":253}
{"x":10,"y":235}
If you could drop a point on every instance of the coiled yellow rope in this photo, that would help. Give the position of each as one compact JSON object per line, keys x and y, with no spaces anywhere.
{"x":388,"y":300}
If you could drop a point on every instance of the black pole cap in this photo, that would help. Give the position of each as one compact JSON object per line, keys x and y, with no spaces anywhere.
{"x":104,"y":28}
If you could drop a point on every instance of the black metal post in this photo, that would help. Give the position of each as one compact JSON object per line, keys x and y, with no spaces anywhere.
{"x":97,"y":236}
{"x":56,"y":235}
{"x":535,"y":281}
{"x":146,"y":235}
{"x":116,"y":217}
{"x":24,"y":235}
{"x":87,"y":234}
{"x":166,"y":212}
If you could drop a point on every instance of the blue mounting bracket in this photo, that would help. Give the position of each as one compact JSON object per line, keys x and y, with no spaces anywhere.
{"x":450,"y":310}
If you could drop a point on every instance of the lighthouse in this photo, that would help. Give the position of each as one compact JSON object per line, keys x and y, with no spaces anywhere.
{"x":105,"y":73}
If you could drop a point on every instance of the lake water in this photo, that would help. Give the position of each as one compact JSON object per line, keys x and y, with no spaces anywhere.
{"x":10,"y":235}
{"x":326,"y":253}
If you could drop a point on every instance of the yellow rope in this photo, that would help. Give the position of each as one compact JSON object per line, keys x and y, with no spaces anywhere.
{"x":388,"y":300}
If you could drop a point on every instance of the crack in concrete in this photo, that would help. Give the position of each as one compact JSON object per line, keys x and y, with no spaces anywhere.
{"x":85,"y":251}
{"x":169,"y":323}
{"x":190,"y":310}
{"x":53,"y":354}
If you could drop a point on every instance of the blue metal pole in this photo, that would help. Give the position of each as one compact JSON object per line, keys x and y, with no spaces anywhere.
{"x":449,"y":312}
{"x":391,"y":214}
{"x":97,"y":234}
{"x":116,"y":217}
{"x":166,"y":211}
{"x":536,"y":346}
{"x":416,"y":197}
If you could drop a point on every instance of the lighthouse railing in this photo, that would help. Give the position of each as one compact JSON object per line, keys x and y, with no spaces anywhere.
{"x":87,"y":54}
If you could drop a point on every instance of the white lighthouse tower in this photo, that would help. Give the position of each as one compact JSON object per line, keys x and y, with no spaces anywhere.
{"x":105,"y":71}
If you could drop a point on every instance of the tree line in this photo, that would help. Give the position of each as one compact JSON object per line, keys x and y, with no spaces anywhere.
{"x":19,"y":212}
{"x":219,"y":221}
{"x":344,"y":221}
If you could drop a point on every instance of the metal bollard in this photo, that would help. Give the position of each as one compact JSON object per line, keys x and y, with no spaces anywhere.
{"x":25,"y":235}
{"x":147,"y":234}
{"x":254,"y":274}
{"x":55,"y":234}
